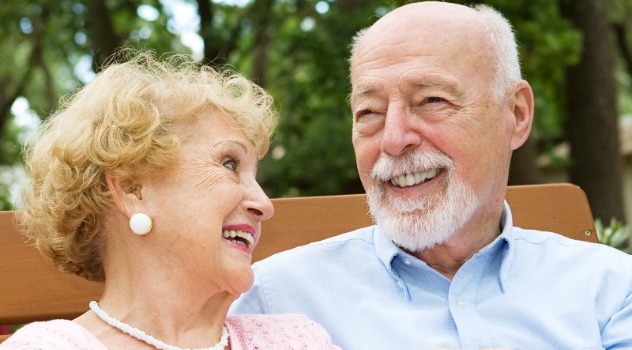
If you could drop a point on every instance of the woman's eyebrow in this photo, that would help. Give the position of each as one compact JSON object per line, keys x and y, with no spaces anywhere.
{"x":233,"y":142}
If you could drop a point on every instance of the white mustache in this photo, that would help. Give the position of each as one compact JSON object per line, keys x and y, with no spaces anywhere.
{"x":387,"y":167}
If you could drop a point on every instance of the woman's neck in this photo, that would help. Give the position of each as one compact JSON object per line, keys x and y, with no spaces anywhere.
{"x":168,"y":308}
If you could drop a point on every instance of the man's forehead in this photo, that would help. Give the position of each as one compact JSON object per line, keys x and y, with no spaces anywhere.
{"x":421,"y":12}
{"x":432,"y":19}
{"x":402,"y":44}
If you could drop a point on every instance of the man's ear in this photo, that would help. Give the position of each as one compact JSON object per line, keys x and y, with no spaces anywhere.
{"x":125,"y":194}
{"x":522,"y":109}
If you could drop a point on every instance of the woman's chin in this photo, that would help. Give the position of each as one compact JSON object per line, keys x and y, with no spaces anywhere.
{"x":241,"y":281}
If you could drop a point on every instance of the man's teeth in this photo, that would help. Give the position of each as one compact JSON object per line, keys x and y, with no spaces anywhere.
{"x":414,"y":178}
{"x":242,"y":235}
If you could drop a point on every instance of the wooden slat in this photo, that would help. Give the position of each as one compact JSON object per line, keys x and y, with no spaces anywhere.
{"x":31,"y":289}
{"x":298,"y":221}
{"x":561,"y":208}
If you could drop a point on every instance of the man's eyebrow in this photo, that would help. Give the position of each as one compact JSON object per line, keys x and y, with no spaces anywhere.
{"x":449,"y":84}
{"x":356,"y":93}
{"x":443,"y":82}
{"x":425,"y":83}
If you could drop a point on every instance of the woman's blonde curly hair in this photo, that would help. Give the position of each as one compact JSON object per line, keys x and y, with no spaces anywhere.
{"x":126,"y":122}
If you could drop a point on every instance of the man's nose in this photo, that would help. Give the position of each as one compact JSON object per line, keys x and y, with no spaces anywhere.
{"x":399,"y":133}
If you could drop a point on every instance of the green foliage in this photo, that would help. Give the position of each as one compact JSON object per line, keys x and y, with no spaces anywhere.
{"x":309,"y":81}
{"x":11,"y":144}
{"x":615,"y":235}
{"x":548,"y":44}
{"x":5,"y":203}
{"x":44,"y":49}
{"x":45,"y":44}
{"x":620,"y":13}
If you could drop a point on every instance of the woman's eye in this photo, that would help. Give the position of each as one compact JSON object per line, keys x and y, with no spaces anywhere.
{"x":230,"y":164}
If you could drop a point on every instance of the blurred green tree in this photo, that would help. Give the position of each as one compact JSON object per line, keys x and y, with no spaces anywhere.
{"x":298,"y":49}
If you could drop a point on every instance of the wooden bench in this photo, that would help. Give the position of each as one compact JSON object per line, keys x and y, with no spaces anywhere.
{"x":32,"y":290}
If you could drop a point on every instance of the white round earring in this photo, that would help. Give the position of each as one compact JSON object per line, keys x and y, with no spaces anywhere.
{"x":140,"y":224}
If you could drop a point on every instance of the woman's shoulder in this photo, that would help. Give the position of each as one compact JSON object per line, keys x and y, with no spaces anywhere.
{"x":54,"y":334}
{"x":277,"y":331}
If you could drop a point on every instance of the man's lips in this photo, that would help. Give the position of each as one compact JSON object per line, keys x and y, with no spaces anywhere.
{"x":416,"y":178}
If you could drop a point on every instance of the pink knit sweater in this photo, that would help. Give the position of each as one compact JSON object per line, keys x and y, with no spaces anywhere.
{"x":246,"y":332}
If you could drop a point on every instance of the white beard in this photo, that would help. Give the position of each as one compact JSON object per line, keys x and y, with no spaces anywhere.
{"x":418,"y":223}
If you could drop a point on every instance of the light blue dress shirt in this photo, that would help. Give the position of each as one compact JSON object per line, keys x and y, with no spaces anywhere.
{"x":528,"y":290}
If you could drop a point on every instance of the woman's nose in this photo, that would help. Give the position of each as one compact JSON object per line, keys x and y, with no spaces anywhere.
{"x":258,"y":203}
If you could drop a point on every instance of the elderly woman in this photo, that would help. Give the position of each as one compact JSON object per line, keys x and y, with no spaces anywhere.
{"x":145,"y":180}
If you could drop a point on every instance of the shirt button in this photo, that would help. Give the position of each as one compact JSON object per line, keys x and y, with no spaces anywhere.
{"x":407,"y":261}
{"x":461,"y":304}
{"x":400,"y":284}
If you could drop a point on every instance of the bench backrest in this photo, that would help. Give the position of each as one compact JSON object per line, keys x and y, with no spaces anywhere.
{"x":31,"y":289}
{"x":561,"y":208}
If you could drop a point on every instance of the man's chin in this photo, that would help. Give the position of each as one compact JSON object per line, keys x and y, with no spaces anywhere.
{"x":419,"y":242}
{"x":416,"y":230}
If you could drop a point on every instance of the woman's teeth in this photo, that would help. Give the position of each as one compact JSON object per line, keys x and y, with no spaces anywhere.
{"x":239,"y":236}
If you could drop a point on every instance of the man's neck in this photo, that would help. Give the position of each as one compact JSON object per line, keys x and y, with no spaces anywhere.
{"x":448,"y":257}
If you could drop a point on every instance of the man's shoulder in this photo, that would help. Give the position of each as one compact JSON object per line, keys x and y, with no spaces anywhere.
{"x":559,"y":245}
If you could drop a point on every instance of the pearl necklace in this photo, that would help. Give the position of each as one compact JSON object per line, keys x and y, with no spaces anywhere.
{"x":144,"y":337}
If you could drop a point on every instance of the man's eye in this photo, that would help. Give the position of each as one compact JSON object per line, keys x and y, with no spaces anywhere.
{"x":230,"y":164}
{"x":434,"y":99}
{"x":363,"y":113}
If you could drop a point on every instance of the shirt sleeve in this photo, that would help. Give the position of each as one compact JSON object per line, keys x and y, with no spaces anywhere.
{"x":617,"y":334}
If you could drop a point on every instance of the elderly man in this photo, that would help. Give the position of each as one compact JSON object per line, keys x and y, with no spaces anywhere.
{"x":438,"y":107}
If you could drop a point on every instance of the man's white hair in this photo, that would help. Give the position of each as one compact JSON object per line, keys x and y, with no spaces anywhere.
{"x":502,"y":42}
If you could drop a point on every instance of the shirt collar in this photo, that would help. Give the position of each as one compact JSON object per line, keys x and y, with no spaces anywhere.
{"x":506,"y":228}
{"x":386,"y":250}
{"x":503,"y":245}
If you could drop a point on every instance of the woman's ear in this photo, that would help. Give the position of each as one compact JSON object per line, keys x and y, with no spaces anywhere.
{"x":522,"y":109}
{"x":125,"y":194}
